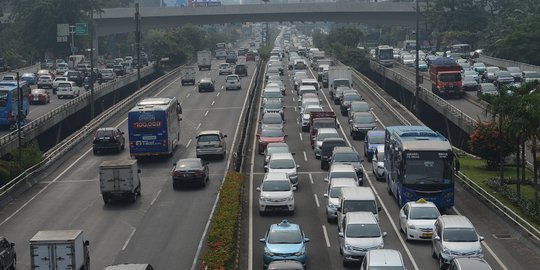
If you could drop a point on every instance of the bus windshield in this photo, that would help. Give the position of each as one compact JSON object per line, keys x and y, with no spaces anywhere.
{"x":386,"y":54}
{"x":423,"y":171}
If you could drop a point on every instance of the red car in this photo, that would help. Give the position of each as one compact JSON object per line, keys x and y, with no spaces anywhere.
{"x":270,"y":136}
{"x":39,"y":96}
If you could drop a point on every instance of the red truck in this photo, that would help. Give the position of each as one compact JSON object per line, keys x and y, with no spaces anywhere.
{"x":445,"y":76}
{"x":321,"y":120}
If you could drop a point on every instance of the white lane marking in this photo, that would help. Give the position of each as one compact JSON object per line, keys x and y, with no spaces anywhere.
{"x":294,"y":108}
{"x":310,"y":178}
{"x":292,"y":91}
{"x":213,"y":102}
{"x":218,"y":94}
{"x":206,"y":113}
{"x":188,"y":95}
{"x":198,"y":126}
{"x":298,"y":123}
{"x":316,"y":200}
{"x":497,"y":259}
{"x":305,"y":156}
{"x":300,"y":136}
{"x":326,"y":236}
{"x":222,"y":87}
{"x":188,"y":143}
{"x":155,"y":197}
{"x":203,"y":237}
{"x":400,"y":237}
{"x":129,"y":238}
{"x":293,"y":99}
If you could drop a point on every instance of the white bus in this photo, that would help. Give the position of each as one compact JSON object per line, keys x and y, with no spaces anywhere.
{"x":384,"y":55}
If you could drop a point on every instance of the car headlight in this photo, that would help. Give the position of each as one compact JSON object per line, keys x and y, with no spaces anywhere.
{"x":411,"y":226}
{"x":480,"y":251}
{"x":269,"y":253}
{"x":300,"y":253}
{"x":348,"y":247}
{"x":445,"y":250}
{"x":291,"y":198}
{"x":381,"y":245}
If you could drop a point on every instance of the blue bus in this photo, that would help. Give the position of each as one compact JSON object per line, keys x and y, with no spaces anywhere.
{"x":154,"y":127}
{"x":9,"y":102}
{"x":418,"y":164}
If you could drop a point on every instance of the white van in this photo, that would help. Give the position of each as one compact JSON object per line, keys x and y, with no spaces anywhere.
{"x":68,"y":89}
{"x":356,"y":199}
{"x":383,"y":258}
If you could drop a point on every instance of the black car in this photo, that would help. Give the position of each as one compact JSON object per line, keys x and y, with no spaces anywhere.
{"x":8,"y":257}
{"x":108,"y":138}
{"x":241,"y":70}
{"x":327,"y":148}
{"x":119,"y":70}
{"x":74,"y":76}
{"x":190,"y":170}
{"x":206,"y":84}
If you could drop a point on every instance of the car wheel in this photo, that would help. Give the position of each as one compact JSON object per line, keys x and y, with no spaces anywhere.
{"x":106,"y":199}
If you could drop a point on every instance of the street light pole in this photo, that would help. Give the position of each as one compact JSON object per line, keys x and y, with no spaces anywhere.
{"x":417,"y":72}
{"x":19,"y":118}
{"x":138,"y":43}
{"x":92,"y":79}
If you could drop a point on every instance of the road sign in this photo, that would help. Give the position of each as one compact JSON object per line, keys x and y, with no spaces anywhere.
{"x":81,"y":29}
{"x":62,"y":30}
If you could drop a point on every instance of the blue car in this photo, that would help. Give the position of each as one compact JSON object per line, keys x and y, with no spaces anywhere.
{"x":284,"y":241}
{"x":373,"y":139}
{"x":29,"y":78}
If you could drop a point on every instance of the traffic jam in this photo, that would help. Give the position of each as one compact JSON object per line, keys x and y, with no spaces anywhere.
{"x":294,"y":81}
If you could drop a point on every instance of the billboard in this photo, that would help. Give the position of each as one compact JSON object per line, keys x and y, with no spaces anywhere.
{"x":205,"y":3}
{"x":173,"y":3}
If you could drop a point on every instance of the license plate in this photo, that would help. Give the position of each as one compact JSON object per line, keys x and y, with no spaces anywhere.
{"x":36,"y":99}
{"x":427,"y":234}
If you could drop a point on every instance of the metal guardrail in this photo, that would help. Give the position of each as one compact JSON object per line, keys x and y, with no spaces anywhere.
{"x":69,"y":143}
{"x":509,"y":213}
{"x":507,"y":63}
{"x":58,"y":111}
{"x":450,"y":109}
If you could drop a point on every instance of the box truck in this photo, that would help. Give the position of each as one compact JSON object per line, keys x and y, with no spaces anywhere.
{"x":59,"y":250}
{"x":119,"y":179}
{"x":204,"y":60}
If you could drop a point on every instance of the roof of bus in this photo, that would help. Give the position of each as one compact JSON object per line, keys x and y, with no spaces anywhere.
{"x":10,"y":85}
{"x":153,"y":103}
{"x":421,"y":145}
{"x":415,"y":137}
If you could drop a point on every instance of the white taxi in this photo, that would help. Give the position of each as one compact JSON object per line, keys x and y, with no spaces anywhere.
{"x":417,"y":219}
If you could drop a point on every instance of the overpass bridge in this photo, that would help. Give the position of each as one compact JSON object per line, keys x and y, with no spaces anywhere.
{"x":121,"y":20}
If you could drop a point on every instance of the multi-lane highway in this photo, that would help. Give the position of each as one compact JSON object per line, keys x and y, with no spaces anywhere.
{"x":504,"y":247}
{"x":163,"y":227}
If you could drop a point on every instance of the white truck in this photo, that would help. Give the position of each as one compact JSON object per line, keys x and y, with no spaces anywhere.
{"x":59,"y":250}
{"x":188,"y":75}
{"x":119,"y":179}
{"x":204,"y":60}
{"x":339,"y":76}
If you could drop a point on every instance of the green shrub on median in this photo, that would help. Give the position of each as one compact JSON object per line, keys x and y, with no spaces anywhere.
{"x":221,"y":245}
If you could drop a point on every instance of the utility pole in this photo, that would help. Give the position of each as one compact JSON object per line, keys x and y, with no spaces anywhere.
{"x":417,"y":72}
{"x":138,"y":43}
{"x":92,"y":79}
{"x":72,"y":32}
{"x":19,"y":118}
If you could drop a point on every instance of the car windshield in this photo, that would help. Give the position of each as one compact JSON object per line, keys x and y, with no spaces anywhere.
{"x":273,"y":105}
{"x":360,"y":107}
{"x":346,"y":157}
{"x":351,"y":97}
{"x":272,"y":133}
{"x":104,"y":133}
{"x":272,"y":150}
{"x":362,"y":231}
{"x":363,"y":119}
{"x":282,"y":164}
{"x":224,"y":66}
{"x":359,"y":206}
{"x":272,"y":94}
{"x":327,"y":135}
{"x":276,"y":186}
{"x":232,"y":79}
{"x":351,"y":174}
{"x":376,"y":139}
{"x":533,"y":75}
{"x":284,"y":237}
{"x":460,"y":235}
{"x":208,"y":138}
{"x":272,"y":119}
{"x":188,"y":163}
{"x":424,"y":213}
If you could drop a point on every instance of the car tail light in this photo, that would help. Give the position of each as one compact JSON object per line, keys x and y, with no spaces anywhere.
{"x":198,"y":173}
{"x":177,"y":173}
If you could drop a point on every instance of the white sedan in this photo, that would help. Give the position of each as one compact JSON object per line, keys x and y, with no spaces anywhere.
{"x":417,"y":219}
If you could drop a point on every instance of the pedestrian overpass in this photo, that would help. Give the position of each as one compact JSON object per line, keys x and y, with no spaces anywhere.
{"x":121,"y":20}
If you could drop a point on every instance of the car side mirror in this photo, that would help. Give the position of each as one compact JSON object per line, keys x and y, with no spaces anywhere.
{"x":340,"y":234}
{"x":266,"y":166}
{"x":293,"y":188}
{"x":293,"y":153}
{"x":258,"y":135}
{"x":481,"y":238}
{"x":12,"y":244}
{"x":326,"y":179}
{"x":297,"y":166}
{"x":306,"y":240}
{"x":258,"y":189}
{"x":350,"y":120}
{"x":384,"y":234}
{"x":438,"y":238}
{"x":379,"y":209}
{"x":86,"y":243}
{"x":262,"y":240}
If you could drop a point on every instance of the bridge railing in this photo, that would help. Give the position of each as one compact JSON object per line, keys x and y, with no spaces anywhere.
{"x":64,"y":108}
{"x":428,"y":95}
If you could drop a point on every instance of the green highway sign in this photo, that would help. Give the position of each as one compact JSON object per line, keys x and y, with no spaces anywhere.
{"x":81,"y":29}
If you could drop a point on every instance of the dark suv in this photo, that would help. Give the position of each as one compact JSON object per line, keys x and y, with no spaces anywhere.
{"x":231,"y":58}
{"x":108,"y":138}
{"x":206,"y":84}
{"x":8,"y":257}
{"x":74,"y":76}
{"x":241,"y":70}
